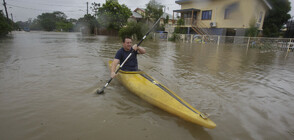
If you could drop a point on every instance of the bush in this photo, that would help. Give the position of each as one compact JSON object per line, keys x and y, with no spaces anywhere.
{"x":174,"y":37}
{"x":160,"y":28}
{"x":178,"y":29}
{"x":180,"y":22}
{"x":252,"y":31}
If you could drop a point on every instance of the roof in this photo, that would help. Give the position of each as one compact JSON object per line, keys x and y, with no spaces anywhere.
{"x":136,"y":15}
{"x":264,"y":1}
{"x":267,"y":4}
{"x":141,"y":9}
{"x":182,"y":1}
{"x":186,"y":10}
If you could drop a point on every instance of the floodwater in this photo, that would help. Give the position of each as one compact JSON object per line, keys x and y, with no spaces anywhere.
{"x":48,"y":82}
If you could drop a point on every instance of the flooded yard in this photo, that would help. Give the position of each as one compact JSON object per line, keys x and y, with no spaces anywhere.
{"x":48,"y":82}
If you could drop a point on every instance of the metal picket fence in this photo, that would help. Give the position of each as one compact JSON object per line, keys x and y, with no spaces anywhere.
{"x":285,"y":44}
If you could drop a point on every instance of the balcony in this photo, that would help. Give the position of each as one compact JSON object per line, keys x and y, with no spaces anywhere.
{"x":188,"y":15}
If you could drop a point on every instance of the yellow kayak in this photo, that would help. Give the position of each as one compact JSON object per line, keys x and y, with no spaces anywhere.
{"x":150,"y":90}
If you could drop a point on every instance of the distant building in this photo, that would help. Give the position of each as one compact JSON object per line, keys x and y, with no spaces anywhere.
{"x":139,"y":13}
{"x":290,"y":29}
{"x":221,"y":17}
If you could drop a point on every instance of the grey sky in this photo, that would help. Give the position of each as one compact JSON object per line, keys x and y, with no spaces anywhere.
{"x":22,"y":10}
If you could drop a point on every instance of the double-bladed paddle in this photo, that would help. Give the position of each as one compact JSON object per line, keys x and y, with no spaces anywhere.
{"x":102,"y":90}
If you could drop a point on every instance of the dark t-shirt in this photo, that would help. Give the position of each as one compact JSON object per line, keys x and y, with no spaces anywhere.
{"x":131,"y":64}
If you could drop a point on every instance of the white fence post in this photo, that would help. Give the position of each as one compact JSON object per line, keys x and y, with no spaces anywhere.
{"x":289,"y":44}
{"x":248,"y":42}
{"x":218,"y":40}
{"x":247,"y":45}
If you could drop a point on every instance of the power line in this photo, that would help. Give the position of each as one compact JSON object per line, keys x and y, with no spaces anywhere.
{"x":43,"y":10}
{"x":46,"y":4}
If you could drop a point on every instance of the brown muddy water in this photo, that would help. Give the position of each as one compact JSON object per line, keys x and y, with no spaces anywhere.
{"x":48,"y":80}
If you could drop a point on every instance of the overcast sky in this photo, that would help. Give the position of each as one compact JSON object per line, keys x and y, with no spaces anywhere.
{"x":22,"y":10}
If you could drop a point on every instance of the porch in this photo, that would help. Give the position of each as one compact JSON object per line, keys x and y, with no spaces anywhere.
{"x":191,"y":20}
{"x":189,"y":16}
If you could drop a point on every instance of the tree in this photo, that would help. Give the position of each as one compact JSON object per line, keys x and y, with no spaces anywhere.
{"x":34,"y":25}
{"x":112,"y":15}
{"x":132,"y":29}
{"x":166,"y":20}
{"x":153,"y":10}
{"x":88,"y":22}
{"x":29,"y":25}
{"x":276,"y":17}
{"x":48,"y":21}
{"x":64,"y":26}
{"x":5,"y":25}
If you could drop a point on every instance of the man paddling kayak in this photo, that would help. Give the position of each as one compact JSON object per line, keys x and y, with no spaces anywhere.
{"x":139,"y":50}
{"x":122,"y":54}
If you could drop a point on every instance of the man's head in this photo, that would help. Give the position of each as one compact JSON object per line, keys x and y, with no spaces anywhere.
{"x":127,"y":43}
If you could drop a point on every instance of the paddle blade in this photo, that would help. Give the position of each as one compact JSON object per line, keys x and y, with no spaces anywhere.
{"x":100,"y":91}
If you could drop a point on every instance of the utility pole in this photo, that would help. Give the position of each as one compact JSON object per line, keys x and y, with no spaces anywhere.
{"x":87,"y":8}
{"x":4,"y":3}
{"x":11,"y":17}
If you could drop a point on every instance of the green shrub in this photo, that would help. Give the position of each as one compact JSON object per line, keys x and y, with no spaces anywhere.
{"x":180,"y":22}
{"x":180,"y":30}
{"x":252,"y":31}
{"x":174,"y":37}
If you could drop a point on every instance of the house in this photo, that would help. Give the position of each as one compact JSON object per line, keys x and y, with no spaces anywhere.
{"x":139,"y":13}
{"x":136,"y":17}
{"x":221,"y":17}
{"x":289,"y":30}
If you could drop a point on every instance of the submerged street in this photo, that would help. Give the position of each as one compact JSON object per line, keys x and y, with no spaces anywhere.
{"x":48,"y":82}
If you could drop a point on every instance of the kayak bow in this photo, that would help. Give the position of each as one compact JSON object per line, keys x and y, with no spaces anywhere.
{"x":150,"y":90}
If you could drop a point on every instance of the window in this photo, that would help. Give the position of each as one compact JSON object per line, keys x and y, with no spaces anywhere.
{"x":228,"y":13}
{"x":230,"y":9}
{"x":206,"y":15}
{"x":260,"y":16}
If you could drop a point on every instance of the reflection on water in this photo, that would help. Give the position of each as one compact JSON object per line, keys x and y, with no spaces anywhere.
{"x":47,"y":83}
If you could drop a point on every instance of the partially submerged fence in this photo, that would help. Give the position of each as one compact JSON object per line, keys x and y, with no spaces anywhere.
{"x":286,"y":44}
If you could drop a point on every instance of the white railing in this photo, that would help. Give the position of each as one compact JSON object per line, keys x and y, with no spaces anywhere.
{"x":249,"y":42}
